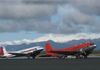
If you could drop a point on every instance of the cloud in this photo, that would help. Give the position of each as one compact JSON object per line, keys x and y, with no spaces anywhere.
{"x":87,"y":6}
{"x":72,"y":20}
{"x":73,"y":17}
{"x":27,"y":25}
{"x":25,"y":11}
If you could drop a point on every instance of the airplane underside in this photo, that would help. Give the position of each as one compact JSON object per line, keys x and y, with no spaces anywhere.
{"x":78,"y":55}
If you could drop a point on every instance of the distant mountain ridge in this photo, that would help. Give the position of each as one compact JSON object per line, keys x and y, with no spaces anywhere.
{"x":54,"y":44}
{"x":61,"y":38}
{"x":56,"y":40}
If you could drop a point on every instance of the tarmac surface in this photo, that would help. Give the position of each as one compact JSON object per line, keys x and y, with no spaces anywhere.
{"x":50,"y":64}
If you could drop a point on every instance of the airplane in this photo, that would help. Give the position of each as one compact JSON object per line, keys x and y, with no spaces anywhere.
{"x":29,"y":52}
{"x":79,"y":51}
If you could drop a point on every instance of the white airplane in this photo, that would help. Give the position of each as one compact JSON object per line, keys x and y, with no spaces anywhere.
{"x":29,"y":52}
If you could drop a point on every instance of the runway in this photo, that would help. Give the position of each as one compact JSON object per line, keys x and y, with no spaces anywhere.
{"x":50,"y":64}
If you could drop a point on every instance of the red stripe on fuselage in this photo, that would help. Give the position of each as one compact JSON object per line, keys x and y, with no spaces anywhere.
{"x":76,"y":47}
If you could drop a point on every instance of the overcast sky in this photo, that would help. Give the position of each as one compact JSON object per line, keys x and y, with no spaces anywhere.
{"x":50,"y":16}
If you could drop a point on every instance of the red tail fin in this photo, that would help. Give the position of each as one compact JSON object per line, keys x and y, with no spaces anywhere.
{"x":48,"y":49}
{"x":1,"y":51}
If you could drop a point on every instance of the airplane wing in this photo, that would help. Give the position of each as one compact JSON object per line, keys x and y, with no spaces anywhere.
{"x":18,"y":54}
{"x":30,"y":54}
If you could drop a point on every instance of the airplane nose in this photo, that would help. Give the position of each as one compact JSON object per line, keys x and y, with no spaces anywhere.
{"x":93,"y":46}
{"x":41,"y":48}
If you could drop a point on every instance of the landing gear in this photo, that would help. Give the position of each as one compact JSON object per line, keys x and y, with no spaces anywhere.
{"x":85,"y":57}
{"x":31,"y":56}
{"x":78,"y":57}
{"x":81,"y":57}
{"x":28,"y":57}
{"x":58,"y":56}
{"x":62,"y":57}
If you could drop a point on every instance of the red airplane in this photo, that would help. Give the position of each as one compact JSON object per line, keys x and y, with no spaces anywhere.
{"x":79,"y":51}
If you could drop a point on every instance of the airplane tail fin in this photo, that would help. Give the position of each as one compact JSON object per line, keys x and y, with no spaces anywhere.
{"x":5,"y":51}
{"x":1,"y":51}
{"x":48,"y":49}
